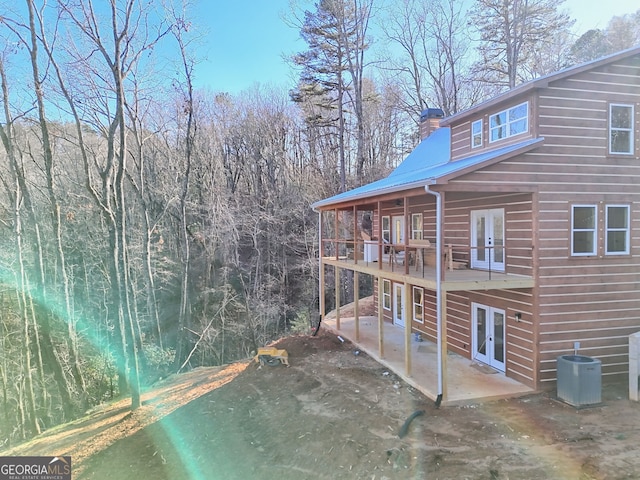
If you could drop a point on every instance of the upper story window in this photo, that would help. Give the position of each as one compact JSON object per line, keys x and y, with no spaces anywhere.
{"x":476,"y":134}
{"x":510,"y":122}
{"x":584,"y":219}
{"x":585,"y":225}
{"x":621,"y":129}
{"x":617,"y":237}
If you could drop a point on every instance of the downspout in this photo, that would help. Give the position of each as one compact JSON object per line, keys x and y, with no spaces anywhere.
{"x":438,"y":288}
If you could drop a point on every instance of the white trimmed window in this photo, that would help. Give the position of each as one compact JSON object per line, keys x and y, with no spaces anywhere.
{"x":386,"y":294}
{"x":510,"y":122}
{"x":621,"y":129}
{"x":386,"y":232}
{"x":416,"y":226}
{"x":584,"y":219}
{"x":617,"y":230}
{"x":418,"y":304}
{"x":476,"y":134}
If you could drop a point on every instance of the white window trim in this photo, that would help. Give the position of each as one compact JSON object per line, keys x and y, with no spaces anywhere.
{"x":416,"y":234}
{"x":594,"y":231}
{"x":473,"y":135}
{"x":386,"y":233}
{"x":415,"y":304}
{"x":630,"y":130}
{"x":627,"y":230}
{"x":509,"y":122}
{"x":386,"y":294}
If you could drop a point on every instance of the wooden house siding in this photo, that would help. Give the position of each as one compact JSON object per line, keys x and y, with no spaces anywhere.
{"x":593,"y":300}
{"x":461,"y":132}
{"x":461,"y":140}
{"x":518,"y":244}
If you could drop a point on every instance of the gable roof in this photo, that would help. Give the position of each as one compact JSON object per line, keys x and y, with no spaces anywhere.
{"x":429,"y":163}
{"x":542,"y":82}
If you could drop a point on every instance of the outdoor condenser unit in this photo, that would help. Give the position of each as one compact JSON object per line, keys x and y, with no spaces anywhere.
{"x":579,"y":380}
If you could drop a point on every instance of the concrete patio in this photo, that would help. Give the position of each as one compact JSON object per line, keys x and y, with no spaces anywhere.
{"x":464,"y":381}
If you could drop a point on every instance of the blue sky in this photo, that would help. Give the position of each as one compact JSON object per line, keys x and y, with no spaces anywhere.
{"x":248,"y":38}
{"x":245,"y":45}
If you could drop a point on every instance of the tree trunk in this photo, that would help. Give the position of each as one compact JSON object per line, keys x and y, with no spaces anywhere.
{"x":71,"y":341}
{"x":30,"y":400}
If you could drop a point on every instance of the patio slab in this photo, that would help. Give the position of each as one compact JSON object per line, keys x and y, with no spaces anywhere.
{"x":464,"y":380}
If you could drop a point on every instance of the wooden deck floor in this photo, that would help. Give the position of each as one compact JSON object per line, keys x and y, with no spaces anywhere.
{"x":425,"y":276}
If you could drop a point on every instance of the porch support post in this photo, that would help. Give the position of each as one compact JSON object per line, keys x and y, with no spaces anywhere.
{"x":337,"y":285}
{"x":335,"y":233}
{"x":356,"y":303}
{"x":407,"y":220}
{"x":321,"y":279}
{"x":355,"y":237}
{"x":380,"y":249}
{"x":380,"y":317}
{"x":408,"y":303}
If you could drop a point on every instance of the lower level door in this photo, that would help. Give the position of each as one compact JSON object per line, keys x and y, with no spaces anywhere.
{"x":398,"y":304}
{"x":489,"y":336}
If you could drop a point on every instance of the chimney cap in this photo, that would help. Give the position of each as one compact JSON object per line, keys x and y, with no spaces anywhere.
{"x":431,"y":113}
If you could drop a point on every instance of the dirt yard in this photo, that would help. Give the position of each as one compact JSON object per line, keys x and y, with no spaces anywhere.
{"x":335,"y":414}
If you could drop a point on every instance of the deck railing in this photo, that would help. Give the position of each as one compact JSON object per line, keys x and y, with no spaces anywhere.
{"x":410,"y":258}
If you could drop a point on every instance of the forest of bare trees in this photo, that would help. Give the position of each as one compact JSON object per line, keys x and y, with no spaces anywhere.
{"x":148,"y":227}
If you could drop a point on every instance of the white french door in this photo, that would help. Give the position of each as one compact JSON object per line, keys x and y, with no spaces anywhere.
{"x":488,"y":340}
{"x":398,"y":304}
{"x":487,"y":239}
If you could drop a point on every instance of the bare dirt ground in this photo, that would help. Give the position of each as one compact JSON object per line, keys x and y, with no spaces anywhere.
{"x":336,"y":415}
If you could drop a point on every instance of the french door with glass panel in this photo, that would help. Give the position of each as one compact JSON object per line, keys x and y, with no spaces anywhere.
{"x":488,"y":341}
{"x":487,"y":239}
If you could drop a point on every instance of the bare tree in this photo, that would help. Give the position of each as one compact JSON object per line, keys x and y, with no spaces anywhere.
{"x":510,"y":32}
{"x":622,"y":32}
{"x":119,"y":50}
{"x":36,"y":21}
{"x":186,"y":107}
{"x":23,"y":200}
{"x":433,"y":39}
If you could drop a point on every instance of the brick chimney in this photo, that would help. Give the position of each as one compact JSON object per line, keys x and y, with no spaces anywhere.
{"x":430,"y":121}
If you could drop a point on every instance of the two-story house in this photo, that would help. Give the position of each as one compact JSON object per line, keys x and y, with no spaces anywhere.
{"x":512,"y":232}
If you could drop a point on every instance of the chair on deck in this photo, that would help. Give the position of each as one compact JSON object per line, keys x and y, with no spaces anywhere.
{"x":420,"y":246}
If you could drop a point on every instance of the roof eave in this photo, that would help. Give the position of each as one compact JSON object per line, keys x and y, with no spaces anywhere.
{"x":324,"y":204}
{"x":541,"y":82}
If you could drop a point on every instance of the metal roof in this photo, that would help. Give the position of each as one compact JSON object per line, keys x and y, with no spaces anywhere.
{"x":429,"y":162}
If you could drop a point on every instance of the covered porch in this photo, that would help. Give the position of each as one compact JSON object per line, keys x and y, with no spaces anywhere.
{"x":464,"y":381}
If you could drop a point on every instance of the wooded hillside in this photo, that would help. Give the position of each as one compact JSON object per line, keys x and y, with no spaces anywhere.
{"x":148,"y":227}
